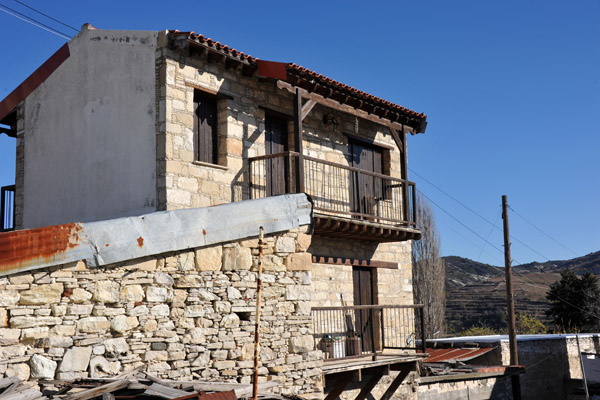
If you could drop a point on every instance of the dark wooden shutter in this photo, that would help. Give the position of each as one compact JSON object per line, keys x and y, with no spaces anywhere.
{"x":205,"y":127}
{"x":276,"y":139}
{"x":366,"y":189}
{"x":364,"y":281}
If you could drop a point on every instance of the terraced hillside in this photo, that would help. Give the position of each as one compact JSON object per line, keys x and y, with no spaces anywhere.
{"x":476,"y":292}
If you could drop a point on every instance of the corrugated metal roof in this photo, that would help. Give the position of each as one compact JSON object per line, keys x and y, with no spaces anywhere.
{"x":446,"y":355}
{"x":117,"y":240}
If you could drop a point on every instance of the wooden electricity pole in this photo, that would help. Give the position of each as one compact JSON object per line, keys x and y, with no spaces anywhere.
{"x":510,"y":305}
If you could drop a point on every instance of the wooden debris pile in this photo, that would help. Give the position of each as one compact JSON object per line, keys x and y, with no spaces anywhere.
{"x":133,"y":385}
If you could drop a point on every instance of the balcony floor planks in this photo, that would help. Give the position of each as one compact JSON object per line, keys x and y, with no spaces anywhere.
{"x":364,"y":230}
{"x":354,"y":364}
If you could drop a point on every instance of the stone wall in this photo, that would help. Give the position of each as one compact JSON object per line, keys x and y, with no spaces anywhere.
{"x":184,"y":315}
{"x":242,"y":107}
{"x":333,"y":283}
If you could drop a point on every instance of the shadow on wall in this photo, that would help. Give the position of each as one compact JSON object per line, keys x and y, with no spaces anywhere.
{"x":547,"y":369}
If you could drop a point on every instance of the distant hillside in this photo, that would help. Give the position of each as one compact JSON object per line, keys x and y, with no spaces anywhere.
{"x":463,"y":271}
{"x":580,"y":265}
{"x":476,"y":293}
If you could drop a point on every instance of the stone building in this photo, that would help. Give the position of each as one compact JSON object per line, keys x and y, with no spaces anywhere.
{"x":130,"y":123}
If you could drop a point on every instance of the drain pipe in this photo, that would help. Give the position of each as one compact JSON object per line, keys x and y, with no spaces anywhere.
{"x":261,"y":234}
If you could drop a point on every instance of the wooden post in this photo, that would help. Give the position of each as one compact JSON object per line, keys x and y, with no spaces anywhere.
{"x":510,"y":305}
{"x":258,"y":307}
{"x":298,"y":141}
{"x":404,"y":174}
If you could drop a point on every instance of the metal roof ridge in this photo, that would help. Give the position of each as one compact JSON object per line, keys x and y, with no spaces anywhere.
{"x":117,"y":240}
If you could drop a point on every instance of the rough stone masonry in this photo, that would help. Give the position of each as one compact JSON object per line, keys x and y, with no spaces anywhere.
{"x":182,"y":315}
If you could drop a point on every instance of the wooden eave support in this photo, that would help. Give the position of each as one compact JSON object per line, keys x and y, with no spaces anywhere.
{"x":336,"y":105}
{"x":307,"y":108}
{"x":341,"y":385}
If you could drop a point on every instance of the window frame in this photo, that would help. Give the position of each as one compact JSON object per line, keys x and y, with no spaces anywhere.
{"x":200,"y":153}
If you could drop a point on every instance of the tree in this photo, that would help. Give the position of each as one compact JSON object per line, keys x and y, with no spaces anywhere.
{"x":527,"y":324}
{"x":428,"y":270}
{"x":575,"y":302}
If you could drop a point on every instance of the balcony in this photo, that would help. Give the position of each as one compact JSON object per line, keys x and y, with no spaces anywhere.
{"x":7,"y":208}
{"x":362,"y":336}
{"x":347,"y":201}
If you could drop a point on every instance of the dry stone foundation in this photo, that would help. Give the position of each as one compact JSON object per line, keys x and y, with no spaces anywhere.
{"x":184,"y":315}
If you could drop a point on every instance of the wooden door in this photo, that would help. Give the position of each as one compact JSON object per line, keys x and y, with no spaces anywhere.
{"x":276,"y":138}
{"x":365,"y":189}
{"x":363,"y":280}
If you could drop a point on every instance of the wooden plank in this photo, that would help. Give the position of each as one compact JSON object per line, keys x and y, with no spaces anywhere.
{"x":9,"y":384}
{"x":23,"y":392}
{"x":370,"y":141}
{"x":164,"y":392}
{"x":341,"y":107}
{"x":366,"y":390}
{"x":395,"y":384}
{"x":110,"y":396}
{"x":219,"y":94}
{"x":97,"y":391}
{"x":241,"y":389}
{"x":341,"y":384}
{"x":334,"y":260}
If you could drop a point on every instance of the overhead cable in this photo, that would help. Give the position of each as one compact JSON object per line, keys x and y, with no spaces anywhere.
{"x":47,"y":16}
{"x":34,"y":22}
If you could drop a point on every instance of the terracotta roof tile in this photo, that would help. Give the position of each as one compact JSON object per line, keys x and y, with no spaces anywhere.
{"x":300,"y":70}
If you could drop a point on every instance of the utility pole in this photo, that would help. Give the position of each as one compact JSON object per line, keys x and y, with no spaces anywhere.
{"x":510,"y":305}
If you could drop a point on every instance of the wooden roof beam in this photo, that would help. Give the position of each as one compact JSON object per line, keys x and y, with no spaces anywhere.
{"x":333,"y":104}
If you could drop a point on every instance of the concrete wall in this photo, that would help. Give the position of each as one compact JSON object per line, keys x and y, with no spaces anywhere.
{"x":89,"y":131}
{"x":550,"y":361}
{"x":472,"y":389}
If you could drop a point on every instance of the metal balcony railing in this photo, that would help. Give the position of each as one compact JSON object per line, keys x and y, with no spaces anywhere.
{"x":356,"y":331}
{"x":7,"y":208}
{"x":336,"y":189}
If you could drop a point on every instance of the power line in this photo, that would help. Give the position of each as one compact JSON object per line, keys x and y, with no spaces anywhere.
{"x":460,"y":222}
{"x":532,"y":224}
{"x":47,"y":16}
{"x":453,"y":198}
{"x":489,"y":234}
{"x":35,"y":22}
{"x":468,"y":240}
{"x":516,"y":239}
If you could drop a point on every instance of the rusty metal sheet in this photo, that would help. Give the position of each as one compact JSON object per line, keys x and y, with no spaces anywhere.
{"x":229,"y":395}
{"x":107,"y":242}
{"x":454,"y":354}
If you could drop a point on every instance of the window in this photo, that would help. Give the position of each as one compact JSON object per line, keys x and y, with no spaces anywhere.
{"x":205,"y":127}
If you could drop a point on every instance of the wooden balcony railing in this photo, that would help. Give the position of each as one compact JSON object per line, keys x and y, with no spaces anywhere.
{"x":7,"y":208}
{"x":335,"y":189}
{"x":356,"y":331}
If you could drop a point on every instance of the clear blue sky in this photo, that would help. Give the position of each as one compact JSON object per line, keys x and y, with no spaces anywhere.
{"x":511,"y":90}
